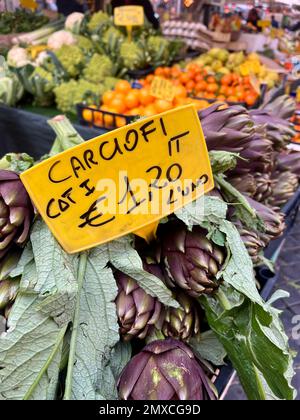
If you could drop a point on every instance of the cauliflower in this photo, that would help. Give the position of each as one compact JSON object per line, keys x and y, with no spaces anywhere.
{"x":39,"y":82}
{"x":69,"y":94}
{"x":17,"y":57}
{"x":41,"y":58}
{"x":98,"y":68}
{"x":60,"y":38}
{"x":85,"y":44}
{"x":71,"y":58}
{"x":73,"y":22}
{"x":11,"y":89}
{"x":98,"y":20}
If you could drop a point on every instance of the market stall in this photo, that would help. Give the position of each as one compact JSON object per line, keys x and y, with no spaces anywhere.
{"x":146,"y":191}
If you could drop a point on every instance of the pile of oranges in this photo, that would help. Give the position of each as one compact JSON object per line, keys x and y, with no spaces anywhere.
{"x":198,"y":83}
{"x":128,"y":101}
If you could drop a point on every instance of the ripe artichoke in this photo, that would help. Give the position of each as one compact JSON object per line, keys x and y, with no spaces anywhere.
{"x":284,"y":186}
{"x":184,"y":322}
{"x":263,"y":187}
{"x":282,"y":107}
{"x":137,"y":311}
{"x":226,"y":128}
{"x":165,"y":370}
{"x":272,"y":218}
{"x":8,"y":292}
{"x":16,"y":211}
{"x":288,"y":161}
{"x":279,"y":131}
{"x":252,"y":242}
{"x":191,"y":260}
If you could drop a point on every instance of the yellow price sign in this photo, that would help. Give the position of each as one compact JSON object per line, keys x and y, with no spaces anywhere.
{"x":123,"y":181}
{"x":162,"y":88}
{"x":264,"y":23}
{"x":298,"y":95}
{"x":129,"y":16}
{"x":29,"y":4}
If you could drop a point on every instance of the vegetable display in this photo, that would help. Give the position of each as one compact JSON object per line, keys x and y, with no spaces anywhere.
{"x":149,"y":320}
{"x":20,"y":21}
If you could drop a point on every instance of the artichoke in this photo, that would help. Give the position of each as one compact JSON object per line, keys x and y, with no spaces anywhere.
{"x":263,"y":187}
{"x":281,"y":107}
{"x":226,"y":128}
{"x":191,"y":260}
{"x":252,"y":241}
{"x":8,"y":292}
{"x":278,"y":130}
{"x":288,"y":161}
{"x":184,"y":322}
{"x":272,"y":218}
{"x":16,"y":211}
{"x":284,"y":186}
{"x":165,"y":370}
{"x":137,"y":311}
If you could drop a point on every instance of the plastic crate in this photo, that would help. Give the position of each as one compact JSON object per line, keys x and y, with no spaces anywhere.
{"x":102,"y":119}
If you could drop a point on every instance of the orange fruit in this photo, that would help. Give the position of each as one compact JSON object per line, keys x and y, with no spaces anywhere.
{"x":119,"y":95}
{"x":149,"y":78}
{"x":162,"y":105}
{"x":180,"y":92}
{"x":184,"y":78}
{"x":149,"y":110}
{"x":198,"y":78}
{"x":250,"y":99}
{"x":226,"y":79}
{"x":145,"y":97}
{"x":88,"y":115}
{"x":221,"y":98}
{"x":230,"y":91}
{"x":118,"y":105}
{"x":167,"y":72}
{"x":120,"y":122}
{"x":132,"y":99}
{"x":134,"y":112}
{"x":175,"y":72}
{"x":212,"y":88}
{"x":190,"y":85}
{"x":159,"y":71}
{"x":232,"y":98}
{"x":107,"y":120}
{"x":107,"y":97}
{"x":211,"y":79}
{"x":123,"y":86}
{"x":201,"y":86}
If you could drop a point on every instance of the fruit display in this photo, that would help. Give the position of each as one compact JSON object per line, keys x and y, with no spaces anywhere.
{"x":197,"y":82}
{"x":127,"y":101}
{"x":219,"y":60}
{"x":168,"y":304}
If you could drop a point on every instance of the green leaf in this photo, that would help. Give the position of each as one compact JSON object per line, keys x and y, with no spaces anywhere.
{"x":30,"y":351}
{"x":209,"y":347}
{"x":222,"y":161}
{"x":115,"y":362}
{"x":95,"y":328}
{"x":257,"y":346}
{"x":125,"y":258}
{"x":204,"y":210}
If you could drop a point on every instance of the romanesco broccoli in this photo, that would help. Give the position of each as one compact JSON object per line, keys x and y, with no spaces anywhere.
{"x":85,"y":44}
{"x":158,"y":48}
{"x":71,"y":58}
{"x":133,"y":55}
{"x":110,"y":83}
{"x":69,"y":94}
{"x":99,"y":67}
{"x":98,"y":20}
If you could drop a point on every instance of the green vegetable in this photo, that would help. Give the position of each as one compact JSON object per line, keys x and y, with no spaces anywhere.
{"x":99,"y":67}
{"x":158,"y":48}
{"x":70,"y":93}
{"x":21,"y":21}
{"x":85,"y":44}
{"x":71,"y":58}
{"x":97,"y":21}
{"x":11,"y":89}
{"x":133,"y":55}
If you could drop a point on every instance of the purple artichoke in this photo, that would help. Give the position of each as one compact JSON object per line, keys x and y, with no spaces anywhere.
{"x":137,"y":311}
{"x":191,"y":260}
{"x":16,"y":211}
{"x":165,"y":370}
{"x":182,"y":323}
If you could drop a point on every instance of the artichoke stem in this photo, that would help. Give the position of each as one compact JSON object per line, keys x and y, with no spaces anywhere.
{"x":67,"y":136}
{"x":224,"y":302}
